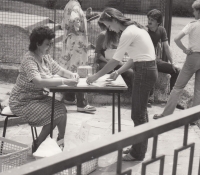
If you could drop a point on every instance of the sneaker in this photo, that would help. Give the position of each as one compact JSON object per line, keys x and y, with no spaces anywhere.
{"x":70,"y":102}
{"x":87,"y":108}
{"x":178,"y":106}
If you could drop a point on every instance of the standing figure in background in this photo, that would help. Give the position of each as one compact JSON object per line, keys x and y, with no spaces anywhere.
{"x":74,"y":52}
{"x":191,"y":65}
{"x":159,"y":34}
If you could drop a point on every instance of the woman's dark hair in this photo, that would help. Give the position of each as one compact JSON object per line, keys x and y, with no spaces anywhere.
{"x":111,"y":37}
{"x":111,"y":13}
{"x":38,"y":35}
{"x":111,"y":40}
{"x":156,"y":14}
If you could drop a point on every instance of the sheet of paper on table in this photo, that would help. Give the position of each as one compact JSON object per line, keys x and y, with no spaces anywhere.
{"x":102,"y":82}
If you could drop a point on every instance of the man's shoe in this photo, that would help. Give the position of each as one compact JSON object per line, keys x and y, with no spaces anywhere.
{"x":87,"y":108}
{"x":70,"y":102}
{"x":178,"y":106}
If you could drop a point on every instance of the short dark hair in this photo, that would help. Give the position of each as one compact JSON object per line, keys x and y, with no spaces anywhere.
{"x":156,"y":14}
{"x":38,"y":35}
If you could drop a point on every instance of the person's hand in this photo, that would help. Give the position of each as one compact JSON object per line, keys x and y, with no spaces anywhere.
{"x":70,"y":82}
{"x":188,"y":51}
{"x":5,"y":103}
{"x":74,"y":76}
{"x":114,"y":75}
{"x":91,"y":79}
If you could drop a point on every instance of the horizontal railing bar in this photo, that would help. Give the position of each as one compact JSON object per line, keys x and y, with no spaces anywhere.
{"x":109,"y":144}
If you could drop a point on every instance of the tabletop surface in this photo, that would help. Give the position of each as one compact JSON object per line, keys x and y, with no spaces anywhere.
{"x":101,"y":84}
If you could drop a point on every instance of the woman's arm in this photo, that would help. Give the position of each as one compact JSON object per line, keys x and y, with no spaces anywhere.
{"x":107,"y":68}
{"x":125,"y":67}
{"x":67,"y":74}
{"x":179,"y":43}
{"x":42,"y":83}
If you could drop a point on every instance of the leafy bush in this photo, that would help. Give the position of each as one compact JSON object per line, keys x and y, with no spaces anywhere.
{"x":182,"y":10}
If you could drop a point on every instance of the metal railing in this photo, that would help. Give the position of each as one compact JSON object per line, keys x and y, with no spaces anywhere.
{"x":117,"y":142}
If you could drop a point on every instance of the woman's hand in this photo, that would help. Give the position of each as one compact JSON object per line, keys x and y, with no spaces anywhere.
{"x":74,"y":76}
{"x":91,"y":79}
{"x":114,"y":75}
{"x":70,"y":82}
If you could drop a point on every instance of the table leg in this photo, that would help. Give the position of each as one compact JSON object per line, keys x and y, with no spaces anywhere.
{"x":113,"y":114}
{"x":119,"y":114}
{"x":52,"y":115}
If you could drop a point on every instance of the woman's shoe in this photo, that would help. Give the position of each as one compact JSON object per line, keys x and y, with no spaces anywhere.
{"x":157,"y":116}
{"x":128,"y":150}
{"x":70,"y":102}
{"x":61,"y":144}
{"x":128,"y":157}
{"x":87,"y":108}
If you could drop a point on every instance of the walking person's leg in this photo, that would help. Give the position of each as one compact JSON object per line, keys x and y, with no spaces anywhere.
{"x":183,"y":78}
{"x":196,"y":99}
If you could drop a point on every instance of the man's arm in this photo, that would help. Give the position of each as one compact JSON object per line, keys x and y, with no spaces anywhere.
{"x":168,"y":51}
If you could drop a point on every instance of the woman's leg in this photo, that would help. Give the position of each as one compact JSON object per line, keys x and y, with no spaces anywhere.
{"x":144,"y":79}
{"x":183,"y":78}
{"x":196,"y":100}
{"x":60,"y":122}
{"x":47,"y":128}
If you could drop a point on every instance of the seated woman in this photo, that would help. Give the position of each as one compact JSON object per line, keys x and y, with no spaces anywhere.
{"x":106,"y":45}
{"x":37,"y":70}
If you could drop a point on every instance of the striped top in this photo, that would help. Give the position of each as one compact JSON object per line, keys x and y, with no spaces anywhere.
{"x":193,"y":31}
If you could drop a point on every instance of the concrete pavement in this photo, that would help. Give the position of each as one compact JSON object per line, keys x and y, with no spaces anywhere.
{"x":101,"y":125}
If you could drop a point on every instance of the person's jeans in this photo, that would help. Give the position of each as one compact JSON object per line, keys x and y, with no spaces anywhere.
{"x":166,"y":67}
{"x":82,"y":99}
{"x":127,"y":76}
{"x":190,"y":67}
{"x":145,"y":76}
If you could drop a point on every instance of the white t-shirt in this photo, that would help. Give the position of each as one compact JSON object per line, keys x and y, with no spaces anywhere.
{"x":137,"y":43}
{"x":193,"y":31}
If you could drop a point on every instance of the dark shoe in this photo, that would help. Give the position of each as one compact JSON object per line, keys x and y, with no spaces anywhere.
{"x":128,"y":157}
{"x":178,"y":106}
{"x":192,"y":123}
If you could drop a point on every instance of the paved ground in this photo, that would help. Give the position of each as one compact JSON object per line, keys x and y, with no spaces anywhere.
{"x":101,"y":126}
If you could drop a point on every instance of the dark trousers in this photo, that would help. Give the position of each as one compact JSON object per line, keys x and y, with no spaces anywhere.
{"x":127,"y":76}
{"x":82,"y":100}
{"x":166,"y":67}
{"x":145,"y":76}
